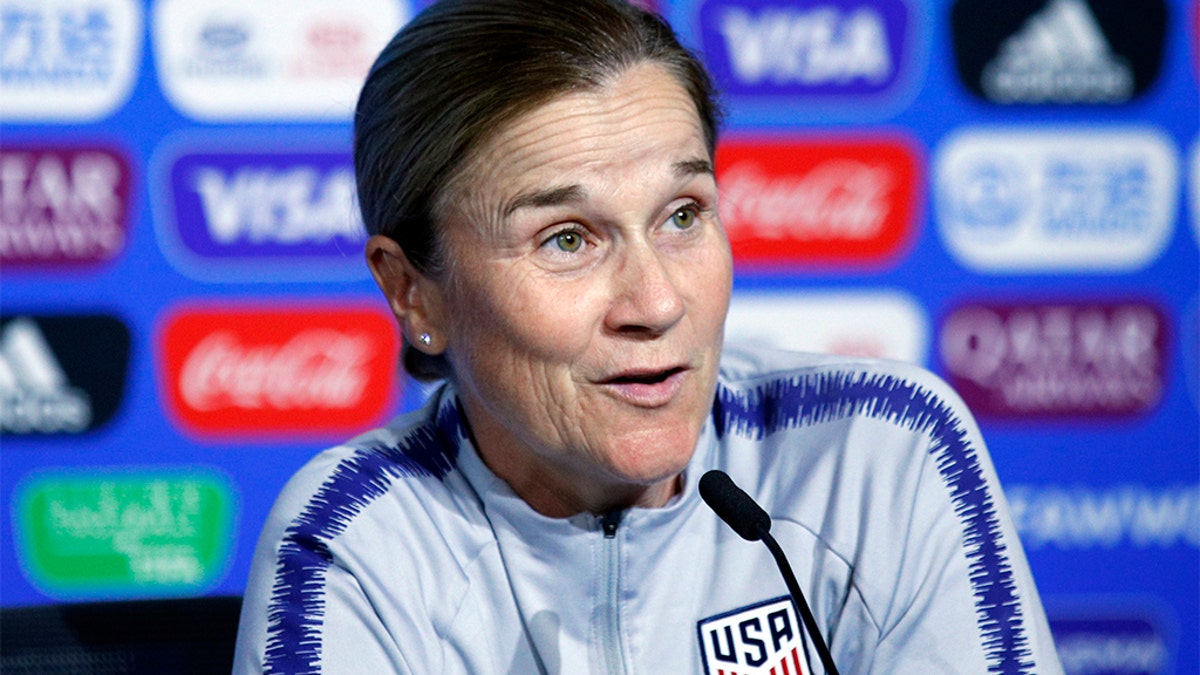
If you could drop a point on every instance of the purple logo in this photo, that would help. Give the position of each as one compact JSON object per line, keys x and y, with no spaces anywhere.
{"x":62,"y":206}
{"x":1117,"y":645}
{"x":1052,"y":360}
{"x":246,"y":215}
{"x":831,"y":49}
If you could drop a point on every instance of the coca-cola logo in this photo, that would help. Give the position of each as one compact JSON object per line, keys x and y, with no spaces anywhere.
{"x":260,"y":370}
{"x":1056,"y":359}
{"x":817,"y":202}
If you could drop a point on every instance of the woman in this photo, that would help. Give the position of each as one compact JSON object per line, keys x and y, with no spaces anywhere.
{"x":537,"y":177}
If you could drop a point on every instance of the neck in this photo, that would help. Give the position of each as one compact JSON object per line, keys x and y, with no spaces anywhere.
{"x":544,"y":497}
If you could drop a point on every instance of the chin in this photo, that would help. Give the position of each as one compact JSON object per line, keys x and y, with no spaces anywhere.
{"x":651,"y":457}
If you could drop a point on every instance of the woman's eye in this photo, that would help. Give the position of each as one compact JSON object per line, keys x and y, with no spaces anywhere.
{"x":684,"y":217}
{"x":568,"y":241}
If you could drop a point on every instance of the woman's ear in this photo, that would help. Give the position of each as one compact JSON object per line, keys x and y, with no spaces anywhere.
{"x":415,"y":299}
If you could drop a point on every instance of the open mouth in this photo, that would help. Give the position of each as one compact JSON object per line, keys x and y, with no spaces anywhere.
{"x":654,"y":377}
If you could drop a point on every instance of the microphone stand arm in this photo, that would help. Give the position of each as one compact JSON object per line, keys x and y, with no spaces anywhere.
{"x":806,"y":615}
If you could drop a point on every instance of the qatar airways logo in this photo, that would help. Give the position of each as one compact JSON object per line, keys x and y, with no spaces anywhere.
{"x":817,"y":201}
{"x":278,"y":371}
{"x":266,"y":215}
{"x":62,"y":206}
{"x":822,"y":50}
{"x":1054,"y":360}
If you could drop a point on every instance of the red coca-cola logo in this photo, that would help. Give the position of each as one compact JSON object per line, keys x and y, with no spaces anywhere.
{"x":817,"y":201}
{"x":278,"y":371}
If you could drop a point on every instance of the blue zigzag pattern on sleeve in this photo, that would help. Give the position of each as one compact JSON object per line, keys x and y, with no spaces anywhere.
{"x":808,"y":400}
{"x":297,"y":605}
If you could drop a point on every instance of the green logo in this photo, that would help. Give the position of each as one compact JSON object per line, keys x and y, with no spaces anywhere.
{"x":116,"y":533}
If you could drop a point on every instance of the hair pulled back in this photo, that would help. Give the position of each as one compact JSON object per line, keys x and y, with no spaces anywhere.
{"x":463,"y":69}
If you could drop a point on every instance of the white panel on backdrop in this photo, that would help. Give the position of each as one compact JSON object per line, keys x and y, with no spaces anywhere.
{"x":1056,"y":199}
{"x":222,"y":60}
{"x":67,"y":60}
{"x":1194,"y":187}
{"x":884,"y":324}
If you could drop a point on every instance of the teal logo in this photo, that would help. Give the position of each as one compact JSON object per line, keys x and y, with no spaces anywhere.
{"x":125,"y":534}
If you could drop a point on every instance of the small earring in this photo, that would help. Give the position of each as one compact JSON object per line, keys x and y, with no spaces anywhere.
{"x":425,"y":339}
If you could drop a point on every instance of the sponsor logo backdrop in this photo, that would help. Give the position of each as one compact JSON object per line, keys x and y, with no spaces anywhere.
{"x":1003,"y":192}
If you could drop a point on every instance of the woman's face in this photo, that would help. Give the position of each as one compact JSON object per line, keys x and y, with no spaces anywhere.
{"x":586,"y":293}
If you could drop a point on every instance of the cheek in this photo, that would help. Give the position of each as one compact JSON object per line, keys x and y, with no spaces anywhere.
{"x":521,"y":326}
{"x":713,"y":285}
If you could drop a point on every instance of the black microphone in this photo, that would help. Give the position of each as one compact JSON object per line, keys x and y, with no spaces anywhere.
{"x":752,"y":523}
{"x":734,"y":506}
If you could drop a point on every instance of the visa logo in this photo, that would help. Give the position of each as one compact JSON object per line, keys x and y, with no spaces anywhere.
{"x":261,"y":215}
{"x":829,"y":48}
{"x":762,"y":638}
{"x":284,"y":206}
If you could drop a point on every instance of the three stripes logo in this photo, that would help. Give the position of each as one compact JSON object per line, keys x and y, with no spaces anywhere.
{"x":60,"y":374}
{"x":761,"y":639}
{"x":1058,"y":51}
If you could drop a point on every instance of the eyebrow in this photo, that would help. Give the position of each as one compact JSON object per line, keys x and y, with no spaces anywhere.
{"x":693,"y":167}
{"x":541,"y":198}
{"x":568,"y":193}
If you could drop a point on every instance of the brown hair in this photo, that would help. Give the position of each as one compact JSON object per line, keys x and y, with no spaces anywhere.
{"x":461,"y":70}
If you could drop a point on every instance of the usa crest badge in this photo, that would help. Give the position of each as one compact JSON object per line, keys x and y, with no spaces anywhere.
{"x":761,"y":639}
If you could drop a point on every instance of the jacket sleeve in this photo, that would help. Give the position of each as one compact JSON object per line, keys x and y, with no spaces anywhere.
{"x":963,"y":600}
{"x":303,"y":610}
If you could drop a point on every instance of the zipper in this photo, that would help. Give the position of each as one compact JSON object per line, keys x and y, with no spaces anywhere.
{"x":610,"y":585}
{"x":610,"y":521}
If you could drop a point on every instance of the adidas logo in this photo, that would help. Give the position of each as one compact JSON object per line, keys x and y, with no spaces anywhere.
{"x":1060,"y":55}
{"x":35,"y":395}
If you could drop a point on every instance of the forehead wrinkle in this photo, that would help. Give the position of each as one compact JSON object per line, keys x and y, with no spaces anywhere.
{"x":605,"y":121}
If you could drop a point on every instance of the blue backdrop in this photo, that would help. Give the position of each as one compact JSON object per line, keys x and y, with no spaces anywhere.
{"x":1003,"y":192}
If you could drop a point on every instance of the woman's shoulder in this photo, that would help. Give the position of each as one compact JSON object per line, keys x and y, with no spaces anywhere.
{"x":750,"y":368}
{"x":404,"y":472}
{"x":771,"y":393}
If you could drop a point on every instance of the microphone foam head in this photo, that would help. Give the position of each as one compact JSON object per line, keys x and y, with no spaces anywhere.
{"x":734,"y":506}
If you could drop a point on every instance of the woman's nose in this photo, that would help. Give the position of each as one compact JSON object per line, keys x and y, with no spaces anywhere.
{"x":646,"y":300}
